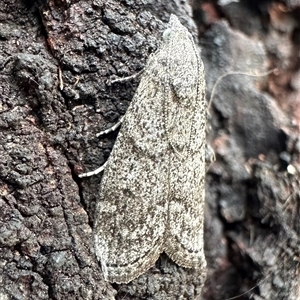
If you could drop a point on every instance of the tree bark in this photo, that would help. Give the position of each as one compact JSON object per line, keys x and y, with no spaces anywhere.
{"x":57,"y":61}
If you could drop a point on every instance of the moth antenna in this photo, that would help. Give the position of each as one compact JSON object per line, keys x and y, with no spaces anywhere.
{"x":275,"y":71}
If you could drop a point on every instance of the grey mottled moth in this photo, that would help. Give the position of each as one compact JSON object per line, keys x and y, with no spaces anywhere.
{"x":152,"y":190}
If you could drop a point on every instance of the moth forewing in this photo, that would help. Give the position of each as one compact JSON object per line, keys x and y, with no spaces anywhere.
{"x":152,"y":190}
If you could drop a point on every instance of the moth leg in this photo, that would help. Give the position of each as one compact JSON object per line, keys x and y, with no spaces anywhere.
{"x":94,"y":172}
{"x":127,"y":78}
{"x":114,"y":127}
{"x":100,"y":169}
{"x":111,"y":129}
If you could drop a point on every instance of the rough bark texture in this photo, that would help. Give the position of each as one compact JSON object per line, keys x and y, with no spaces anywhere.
{"x":57,"y":59}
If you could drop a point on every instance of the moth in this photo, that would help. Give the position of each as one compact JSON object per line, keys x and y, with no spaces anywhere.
{"x":152,"y":191}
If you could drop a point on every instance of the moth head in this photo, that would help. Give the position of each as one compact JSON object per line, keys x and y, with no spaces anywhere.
{"x":175,"y":30}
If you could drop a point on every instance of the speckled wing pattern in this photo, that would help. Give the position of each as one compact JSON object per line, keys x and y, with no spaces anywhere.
{"x":152,"y":191}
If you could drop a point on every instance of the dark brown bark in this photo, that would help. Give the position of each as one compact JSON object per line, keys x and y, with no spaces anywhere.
{"x":48,"y":124}
{"x":253,"y":187}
